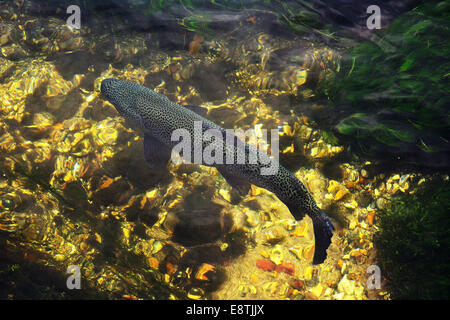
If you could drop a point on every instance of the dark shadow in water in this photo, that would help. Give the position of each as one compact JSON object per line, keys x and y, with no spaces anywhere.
{"x":213,"y":255}
{"x":34,"y":102}
{"x":5,"y":75}
{"x":200,"y":222}
{"x":62,"y":107}
{"x":110,"y":248}
{"x":210,"y":81}
{"x":142,"y":217}
{"x":352,"y":15}
{"x":210,"y":254}
{"x":199,"y":227}
{"x":69,"y":64}
{"x":295,"y":160}
{"x":391,"y":166}
{"x":132,"y":165}
{"x":334,"y":212}
{"x":332,"y":170}
{"x":22,"y":278}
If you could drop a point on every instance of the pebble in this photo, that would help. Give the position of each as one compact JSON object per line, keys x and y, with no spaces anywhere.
{"x":297,"y":251}
{"x":317,"y":290}
{"x":314,"y":151}
{"x":347,"y":286}
{"x":351,"y":205}
{"x":265,"y":265}
{"x":60,"y":257}
{"x":253,"y":218}
{"x":301,"y":230}
{"x":340,"y":194}
{"x":276,"y":254}
{"x":285,"y":267}
{"x":308,"y":273}
{"x":339,"y":296}
{"x":275,"y":234}
{"x":156,"y":247}
{"x":289,"y":224}
{"x":225,"y":194}
{"x":195,"y":294}
{"x":353,"y":175}
{"x":270,"y":287}
{"x":309,"y":251}
{"x":333,"y":186}
{"x":153,"y":262}
{"x":381,"y":203}
{"x":364,"y":173}
{"x":359,"y":293}
{"x":404,"y":187}
{"x":328,"y":292}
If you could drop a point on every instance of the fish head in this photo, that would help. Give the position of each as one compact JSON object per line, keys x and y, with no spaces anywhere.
{"x":122,"y":95}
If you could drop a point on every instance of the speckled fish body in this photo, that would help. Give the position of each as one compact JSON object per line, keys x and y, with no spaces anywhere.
{"x":159,"y":117}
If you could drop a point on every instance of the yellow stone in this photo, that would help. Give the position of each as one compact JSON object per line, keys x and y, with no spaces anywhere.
{"x":98,"y":238}
{"x":289,"y":149}
{"x":225,"y":194}
{"x":352,"y":224}
{"x":317,"y":290}
{"x":351,"y":205}
{"x":255,"y":190}
{"x":308,"y":252}
{"x":340,"y":194}
{"x":59,"y":257}
{"x":301,"y":231}
{"x":308,"y":273}
{"x":264,"y":253}
{"x":254,"y":279}
{"x":151,"y":195}
{"x":333,"y":186}
{"x":301,"y":77}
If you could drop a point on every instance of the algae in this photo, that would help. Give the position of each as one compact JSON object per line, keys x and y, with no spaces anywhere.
{"x":393,"y":93}
{"x":413,"y":243}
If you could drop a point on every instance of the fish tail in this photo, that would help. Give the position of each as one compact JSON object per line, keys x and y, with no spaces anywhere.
{"x":323,"y":231}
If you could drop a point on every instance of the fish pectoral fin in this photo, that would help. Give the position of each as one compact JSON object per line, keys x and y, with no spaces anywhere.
{"x":156,"y":153}
{"x":237,"y":183}
{"x":197,"y":109}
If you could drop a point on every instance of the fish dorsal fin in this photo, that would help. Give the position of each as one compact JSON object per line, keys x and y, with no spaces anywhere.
{"x":202,"y":111}
{"x":156,"y":153}
{"x":241,"y":185}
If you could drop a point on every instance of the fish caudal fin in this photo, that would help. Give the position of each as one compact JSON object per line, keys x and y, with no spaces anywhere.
{"x":323,"y":231}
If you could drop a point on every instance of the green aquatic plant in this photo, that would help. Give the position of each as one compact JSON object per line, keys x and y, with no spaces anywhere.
{"x":198,"y":23}
{"x":301,"y":17}
{"x":413,"y":244}
{"x":193,"y":15}
{"x":330,"y":138}
{"x":394,"y":90}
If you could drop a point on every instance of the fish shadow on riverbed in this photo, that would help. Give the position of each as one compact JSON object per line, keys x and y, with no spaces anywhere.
{"x":201,"y":221}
